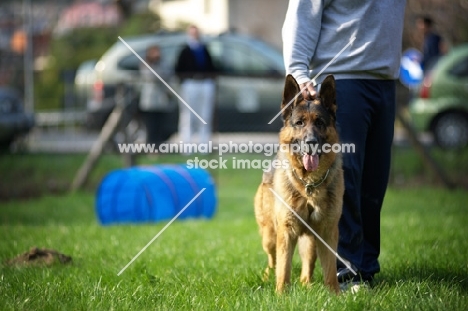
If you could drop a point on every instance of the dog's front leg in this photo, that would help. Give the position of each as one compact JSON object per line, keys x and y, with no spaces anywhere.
{"x":269,"y":245}
{"x":286,"y":241}
{"x":308,"y":255}
{"x":327,"y":258}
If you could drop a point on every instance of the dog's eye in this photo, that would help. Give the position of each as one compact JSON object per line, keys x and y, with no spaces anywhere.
{"x":299,"y":123}
{"x":319,"y":123}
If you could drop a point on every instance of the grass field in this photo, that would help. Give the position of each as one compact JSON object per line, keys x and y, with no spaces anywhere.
{"x":212,"y":264}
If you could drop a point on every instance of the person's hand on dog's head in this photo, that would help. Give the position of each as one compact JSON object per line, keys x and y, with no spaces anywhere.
{"x":308,"y":90}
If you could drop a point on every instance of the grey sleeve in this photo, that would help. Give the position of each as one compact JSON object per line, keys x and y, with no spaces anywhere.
{"x":300,"y":33}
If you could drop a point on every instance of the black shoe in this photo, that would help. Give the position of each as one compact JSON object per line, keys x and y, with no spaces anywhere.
{"x":346,"y":275}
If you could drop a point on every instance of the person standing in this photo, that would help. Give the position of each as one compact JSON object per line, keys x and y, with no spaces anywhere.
{"x":313,"y":33}
{"x":154,"y":99}
{"x":432,"y":44}
{"x":196,"y":72}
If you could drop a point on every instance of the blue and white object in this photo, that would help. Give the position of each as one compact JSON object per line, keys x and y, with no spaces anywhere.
{"x":155,"y":193}
{"x":411,"y":73}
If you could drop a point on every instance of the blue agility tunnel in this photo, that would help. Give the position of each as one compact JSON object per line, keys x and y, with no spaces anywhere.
{"x":155,"y":193}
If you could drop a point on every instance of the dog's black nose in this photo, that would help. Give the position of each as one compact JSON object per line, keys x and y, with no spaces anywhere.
{"x":310,"y":143}
{"x":311,"y":140}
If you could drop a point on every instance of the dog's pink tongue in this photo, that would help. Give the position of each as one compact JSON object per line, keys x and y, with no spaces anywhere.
{"x":310,"y":162}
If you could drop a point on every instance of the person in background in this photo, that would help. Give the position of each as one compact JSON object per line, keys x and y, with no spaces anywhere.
{"x":154,"y":99}
{"x":433,"y":46}
{"x":196,"y":72}
{"x":313,"y":33}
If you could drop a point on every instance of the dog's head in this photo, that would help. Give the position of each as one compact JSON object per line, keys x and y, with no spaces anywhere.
{"x":308,"y":125}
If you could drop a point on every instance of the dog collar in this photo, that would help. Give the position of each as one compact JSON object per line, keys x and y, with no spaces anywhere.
{"x":309,"y":187}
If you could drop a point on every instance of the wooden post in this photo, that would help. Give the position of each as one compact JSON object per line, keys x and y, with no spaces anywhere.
{"x":108,"y":131}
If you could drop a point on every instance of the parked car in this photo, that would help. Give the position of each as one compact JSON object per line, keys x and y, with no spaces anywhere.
{"x":441,"y":106}
{"x":249,"y":84}
{"x":13,"y":120}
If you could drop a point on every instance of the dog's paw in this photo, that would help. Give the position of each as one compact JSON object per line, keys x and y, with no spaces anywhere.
{"x":267,"y":273}
{"x":305,"y":280}
{"x":282,"y":288}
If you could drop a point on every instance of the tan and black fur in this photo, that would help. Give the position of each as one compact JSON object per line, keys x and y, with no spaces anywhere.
{"x":309,"y":122}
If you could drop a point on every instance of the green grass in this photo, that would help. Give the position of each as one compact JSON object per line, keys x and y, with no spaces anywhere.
{"x":408,"y":168}
{"x":217,"y":264}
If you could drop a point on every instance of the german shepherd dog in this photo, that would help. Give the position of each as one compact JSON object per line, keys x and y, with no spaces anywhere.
{"x":312,"y":186}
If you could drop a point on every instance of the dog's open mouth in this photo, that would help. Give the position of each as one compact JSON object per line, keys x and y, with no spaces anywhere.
{"x":310,"y":161}
{"x":309,"y":154}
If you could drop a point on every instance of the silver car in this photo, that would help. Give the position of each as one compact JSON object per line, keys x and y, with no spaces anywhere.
{"x":249,"y":83}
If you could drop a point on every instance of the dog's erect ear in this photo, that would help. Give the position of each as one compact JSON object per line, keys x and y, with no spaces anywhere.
{"x":328,"y":94}
{"x":291,"y":89}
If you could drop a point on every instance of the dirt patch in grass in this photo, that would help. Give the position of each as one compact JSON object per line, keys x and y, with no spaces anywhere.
{"x":39,"y":257}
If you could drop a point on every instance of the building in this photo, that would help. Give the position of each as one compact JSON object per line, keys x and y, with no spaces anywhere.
{"x":259,"y":18}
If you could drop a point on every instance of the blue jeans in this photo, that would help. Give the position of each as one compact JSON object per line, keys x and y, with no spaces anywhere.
{"x":365,"y":117}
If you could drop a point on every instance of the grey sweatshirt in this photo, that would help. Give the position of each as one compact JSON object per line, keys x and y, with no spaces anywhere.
{"x":314,"y":31}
